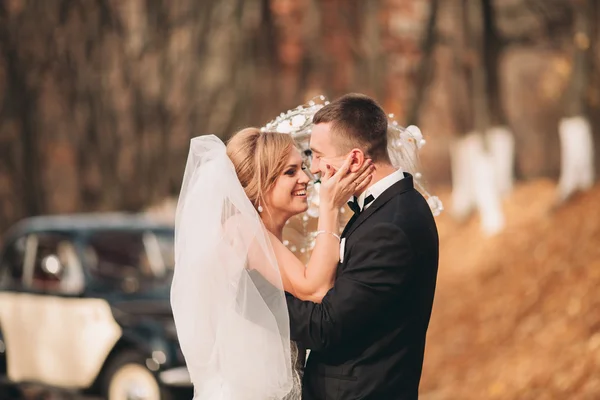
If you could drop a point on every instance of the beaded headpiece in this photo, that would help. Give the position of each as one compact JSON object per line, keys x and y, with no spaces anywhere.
{"x":404,"y":145}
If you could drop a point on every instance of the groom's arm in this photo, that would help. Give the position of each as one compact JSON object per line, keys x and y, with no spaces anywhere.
{"x":379,"y":268}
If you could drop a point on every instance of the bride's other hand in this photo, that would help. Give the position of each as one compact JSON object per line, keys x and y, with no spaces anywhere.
{"x":338,"y":186}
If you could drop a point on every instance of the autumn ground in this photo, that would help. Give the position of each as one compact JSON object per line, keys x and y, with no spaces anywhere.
{"x":517,"y":316}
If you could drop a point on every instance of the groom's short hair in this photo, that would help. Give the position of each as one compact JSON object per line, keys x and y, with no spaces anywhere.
{"x":357,"y":121}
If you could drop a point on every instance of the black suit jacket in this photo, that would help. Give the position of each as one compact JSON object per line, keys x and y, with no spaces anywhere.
{"x":367,"y":337}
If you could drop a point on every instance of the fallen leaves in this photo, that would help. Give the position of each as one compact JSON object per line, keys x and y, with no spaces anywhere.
{"x":516,"y":315}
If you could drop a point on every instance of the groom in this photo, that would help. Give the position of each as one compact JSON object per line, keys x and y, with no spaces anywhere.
{"x":367,"y":337}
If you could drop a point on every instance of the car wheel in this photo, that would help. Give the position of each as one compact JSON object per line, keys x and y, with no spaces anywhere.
{"x":3,"y":368}
{"x":10,"y":392}
{"x":127,"y":378}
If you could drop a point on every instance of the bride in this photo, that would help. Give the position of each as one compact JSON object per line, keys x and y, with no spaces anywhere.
{"x":232,"y":267}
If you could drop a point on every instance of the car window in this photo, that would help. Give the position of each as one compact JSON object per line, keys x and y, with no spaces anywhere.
{"x":56,"y":268}
{"x":119,"y":256}
{"x":11,"y":264}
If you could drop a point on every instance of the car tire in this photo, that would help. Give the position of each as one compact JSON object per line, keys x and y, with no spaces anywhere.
{"x":126,"y":377}
{"x":3,"y":368}
{"x":10,"y":392}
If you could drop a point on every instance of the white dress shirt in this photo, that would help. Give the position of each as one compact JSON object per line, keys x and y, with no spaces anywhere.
{"x":376,"y":189}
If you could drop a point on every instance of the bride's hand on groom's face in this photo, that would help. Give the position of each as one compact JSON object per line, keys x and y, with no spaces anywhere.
{"x":338,"y":186}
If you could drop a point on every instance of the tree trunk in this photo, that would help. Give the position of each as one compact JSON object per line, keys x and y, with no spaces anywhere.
{"x":474,"y":174}
{"x":499,"y":138}
{"x":594,"y":88}
{"x":17,"y":117}
{"x":500,"y":143}
{"x":426,"y":64}
{"x":463,"y":198}
{"x":575,"y":132}
{"x":370,"y":56}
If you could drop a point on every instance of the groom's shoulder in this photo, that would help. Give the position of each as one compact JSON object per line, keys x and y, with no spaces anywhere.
{"x":409,"y":203}
{"x":411,"y":213}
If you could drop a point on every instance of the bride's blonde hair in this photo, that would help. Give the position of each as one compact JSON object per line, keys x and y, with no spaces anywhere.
{"x":259,"y":159}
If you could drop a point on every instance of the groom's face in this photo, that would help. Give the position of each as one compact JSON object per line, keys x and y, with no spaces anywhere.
{"x":324,"y":151}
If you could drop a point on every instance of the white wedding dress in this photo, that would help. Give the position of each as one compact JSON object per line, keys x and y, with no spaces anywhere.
{"x":217,"y":389}
{"x":298,"y":356}
{"x":227,"y":296}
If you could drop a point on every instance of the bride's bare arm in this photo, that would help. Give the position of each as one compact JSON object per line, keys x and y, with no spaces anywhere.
{"x":313,"y":281}
{"x":307,"y":282}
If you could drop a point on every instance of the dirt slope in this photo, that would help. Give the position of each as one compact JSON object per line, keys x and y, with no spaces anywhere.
{"x":517,"y":316}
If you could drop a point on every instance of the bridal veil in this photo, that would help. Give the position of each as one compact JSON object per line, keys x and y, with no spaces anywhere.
{"x":227,"y":297}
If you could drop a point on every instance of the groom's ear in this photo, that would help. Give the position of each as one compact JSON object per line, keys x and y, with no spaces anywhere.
{"x":358,"y":159}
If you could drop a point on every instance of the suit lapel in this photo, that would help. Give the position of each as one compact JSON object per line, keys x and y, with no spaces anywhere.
{"x":349,"y":224}
{"x":397,"y":188}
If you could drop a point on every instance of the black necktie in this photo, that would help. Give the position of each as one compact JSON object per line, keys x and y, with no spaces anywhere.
{"x":356,"y":208}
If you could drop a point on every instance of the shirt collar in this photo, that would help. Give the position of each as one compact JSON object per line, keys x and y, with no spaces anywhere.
{"x":380,"y":187}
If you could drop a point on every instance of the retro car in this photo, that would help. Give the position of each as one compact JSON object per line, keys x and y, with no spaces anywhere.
{"x":84,"y":306}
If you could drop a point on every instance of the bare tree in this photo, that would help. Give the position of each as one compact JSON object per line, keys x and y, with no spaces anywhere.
{"x":575,"y":129}
{"x":474,"y":176}
{"x":500,"y":139}
{"x":104,"y":96}
{"x":426,"y":65}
